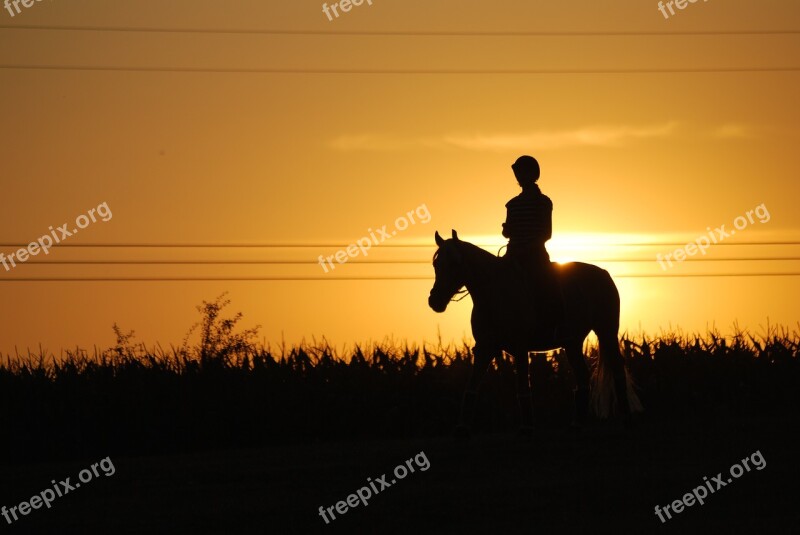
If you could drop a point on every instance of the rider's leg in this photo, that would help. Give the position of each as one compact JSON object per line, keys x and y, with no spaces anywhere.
{"x":556,"y":299}
{"x":546,"y":313}
{"x":525,"y":305}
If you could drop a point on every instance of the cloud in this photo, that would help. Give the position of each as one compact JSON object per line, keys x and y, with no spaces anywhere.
{"x":590,"y":136}
{"x":597,"y":136}
{"x":730,"y":131}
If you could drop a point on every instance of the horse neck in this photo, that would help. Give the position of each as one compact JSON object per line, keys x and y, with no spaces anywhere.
{"x":481,"y":263}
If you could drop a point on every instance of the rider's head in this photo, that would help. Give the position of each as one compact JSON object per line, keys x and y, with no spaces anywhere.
{"x":526,"y":169}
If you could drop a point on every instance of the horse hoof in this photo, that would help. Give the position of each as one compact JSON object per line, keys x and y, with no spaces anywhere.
{"x":574,"y":430}
{"x":525,"y":432}
{"x":577,"y":425}
{"x":629,"y":422}
{"x":462,"y":433}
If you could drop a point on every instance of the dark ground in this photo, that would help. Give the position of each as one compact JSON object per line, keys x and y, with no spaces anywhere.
{"x":604,"y":480}
{"x":232,"y":439}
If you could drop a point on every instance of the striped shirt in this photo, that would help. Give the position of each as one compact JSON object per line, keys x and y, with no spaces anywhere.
{"x":529,"y":219}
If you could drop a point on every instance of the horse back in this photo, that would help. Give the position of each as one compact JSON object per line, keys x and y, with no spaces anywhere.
{"x":585,"y":279}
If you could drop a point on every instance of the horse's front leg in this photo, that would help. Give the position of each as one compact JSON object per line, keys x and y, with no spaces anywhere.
{"x":520,"y":356}
{"x":482,"y":358}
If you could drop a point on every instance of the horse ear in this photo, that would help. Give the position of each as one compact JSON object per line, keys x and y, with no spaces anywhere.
{"x":455,"y":235}
{"x":439,"y":239}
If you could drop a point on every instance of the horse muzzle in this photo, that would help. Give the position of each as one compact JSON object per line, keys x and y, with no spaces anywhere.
{"x":438,"y":305}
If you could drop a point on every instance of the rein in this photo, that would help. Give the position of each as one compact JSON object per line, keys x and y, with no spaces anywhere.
{"x":464,"y":291}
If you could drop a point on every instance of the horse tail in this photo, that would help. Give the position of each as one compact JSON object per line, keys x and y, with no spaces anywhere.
{"x":610,"y":378}
{"x":604,"y":393}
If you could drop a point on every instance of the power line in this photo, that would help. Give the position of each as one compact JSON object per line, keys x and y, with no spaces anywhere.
{"x":399,"y":33}
{"x":219,"y":70}
{"x":209,"y":279}
{"x":350,"y":262}
{"x":340,"y":278}
{"x":253,"y":245}
{"x":217,"y":262}
{"x":225,"y":245}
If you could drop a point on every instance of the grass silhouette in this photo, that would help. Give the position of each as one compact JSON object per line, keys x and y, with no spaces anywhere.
{"x":226,"y":390}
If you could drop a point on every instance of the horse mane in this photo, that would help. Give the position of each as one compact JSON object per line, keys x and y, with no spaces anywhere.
{"x":477,"y":253}
{"x":471,"y":250}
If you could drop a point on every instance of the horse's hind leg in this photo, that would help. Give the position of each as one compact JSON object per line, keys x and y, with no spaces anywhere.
{"x":482,"y":358}
{"x":611,"y":357}
{"x":581,"y":372}
{"x":521,"y":366}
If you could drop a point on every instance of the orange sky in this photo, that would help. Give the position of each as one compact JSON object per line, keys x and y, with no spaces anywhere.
{"x":308,"y":157}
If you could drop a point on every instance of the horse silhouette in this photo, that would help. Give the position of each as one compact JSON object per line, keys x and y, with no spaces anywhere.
{"x":499,"y":323}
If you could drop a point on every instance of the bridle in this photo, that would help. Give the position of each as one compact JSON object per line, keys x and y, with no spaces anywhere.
{"x":463,"y":293}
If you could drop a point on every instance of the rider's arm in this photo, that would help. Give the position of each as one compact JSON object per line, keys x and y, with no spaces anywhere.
{"x":548,"y":230}
{"x":529,"y":220}
{"x":506,"y":233}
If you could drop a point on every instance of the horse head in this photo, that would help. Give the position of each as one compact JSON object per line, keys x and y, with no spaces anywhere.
{"x":450,"y":277}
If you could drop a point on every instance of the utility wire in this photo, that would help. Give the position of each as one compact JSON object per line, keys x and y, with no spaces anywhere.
{"x":399,"y":33}
{"x":244,"y":245}
{"x":221,"y":70}
{"x":346,"y":278}
{"x":313,"y":262}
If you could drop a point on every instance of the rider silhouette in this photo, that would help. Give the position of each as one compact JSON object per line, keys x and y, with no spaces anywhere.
{"x":529,"y":224}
